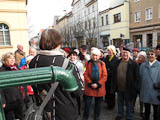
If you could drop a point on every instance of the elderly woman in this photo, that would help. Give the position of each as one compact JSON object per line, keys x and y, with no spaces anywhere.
{"x":11,"y":97}
{"x":95,"y":77}
{"x":150,"y":74}
{"x":64,"y":104}
{"x":110,"y":62}
{"x":141,"y":58}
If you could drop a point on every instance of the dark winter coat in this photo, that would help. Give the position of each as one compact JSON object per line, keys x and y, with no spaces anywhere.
{"x":66,"y":106}
{"x":10,"y":95}
{"x":110,"y":66}
{"x":132,"y":78}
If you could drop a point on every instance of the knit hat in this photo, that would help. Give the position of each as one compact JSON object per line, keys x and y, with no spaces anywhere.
{"x":135,"y":49}
{"x":96,"y":51}
{"x":143,"y":53}
{"x":67,"y":50}
{"x":84,"y":47}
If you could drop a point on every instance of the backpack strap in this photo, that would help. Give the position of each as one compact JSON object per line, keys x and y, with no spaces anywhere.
{"x":51,"y":92}
{"x":47,"y":98}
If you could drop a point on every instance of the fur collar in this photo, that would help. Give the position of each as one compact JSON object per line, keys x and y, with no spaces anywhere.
{"x":52,"y":52}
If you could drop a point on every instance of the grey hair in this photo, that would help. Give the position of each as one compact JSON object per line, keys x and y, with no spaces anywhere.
{"x":5,"y":56}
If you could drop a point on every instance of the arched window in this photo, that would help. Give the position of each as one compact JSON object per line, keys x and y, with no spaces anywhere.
{"x":4,"y":35}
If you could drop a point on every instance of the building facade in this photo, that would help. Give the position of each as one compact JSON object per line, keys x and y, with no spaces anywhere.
{"x":119,"y":24}
{"x":145,"y":22}
{"x":104,"y":27}
{"x":13,"y":25}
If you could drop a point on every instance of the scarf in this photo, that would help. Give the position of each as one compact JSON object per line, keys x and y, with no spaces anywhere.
{"x":81,"y":56}
{"x":110,"y":58}
{"x":95,"y":72}
{"x":12,"y":67}
{"x":52,"y":52}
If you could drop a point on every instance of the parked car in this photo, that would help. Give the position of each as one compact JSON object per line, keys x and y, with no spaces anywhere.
{"x":0,"y":63}
{"x":144,"y":49}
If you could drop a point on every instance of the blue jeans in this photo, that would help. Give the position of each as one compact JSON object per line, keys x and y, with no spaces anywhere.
{"x":123,"y":99}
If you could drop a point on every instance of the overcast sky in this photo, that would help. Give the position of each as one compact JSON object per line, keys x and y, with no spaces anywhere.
{"x":41,"y":13}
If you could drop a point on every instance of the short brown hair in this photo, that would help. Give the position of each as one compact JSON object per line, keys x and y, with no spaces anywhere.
{"x":151,"y":50}
{"x":50,"y":39}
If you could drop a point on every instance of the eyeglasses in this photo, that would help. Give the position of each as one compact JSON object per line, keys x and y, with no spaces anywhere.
{"x":150,"y":54}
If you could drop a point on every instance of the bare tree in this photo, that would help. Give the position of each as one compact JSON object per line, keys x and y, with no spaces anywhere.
{"x":78,"y":32}
{"x":67,"y":35}
{"x":90,"y":34}
{"x":85,"y":30}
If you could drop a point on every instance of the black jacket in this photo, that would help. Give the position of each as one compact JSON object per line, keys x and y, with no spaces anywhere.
{"x":132,"y":78}
{"x":66,"y":105}
{"x":10,"y":95}
{"x":110,"y":66}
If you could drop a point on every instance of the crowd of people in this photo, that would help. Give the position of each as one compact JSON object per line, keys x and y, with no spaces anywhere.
{"x":128,"y":75}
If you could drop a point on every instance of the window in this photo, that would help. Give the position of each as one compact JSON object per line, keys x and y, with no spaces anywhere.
{"x":107,"y":20}
{"x":85,"y":24}
{"x":94,"y":23}
{"x":102,"y":21}
{"x":4,"y":35}
{"x":136,"y":0}
{"x":88,"y":10}
{"x":117,"y":18}
{"x":158,"y":38}
{"x":92,"y":8}
{"x":149,"y":14}
{"x":137,"y":16}
{"x":89,"y":22}
{"x":85,"y":12}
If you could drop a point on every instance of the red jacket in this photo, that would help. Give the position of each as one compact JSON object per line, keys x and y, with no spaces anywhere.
{"x":99,"y":92}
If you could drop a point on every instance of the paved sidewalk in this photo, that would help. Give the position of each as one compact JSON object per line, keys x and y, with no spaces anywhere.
{"x":111,"y":114}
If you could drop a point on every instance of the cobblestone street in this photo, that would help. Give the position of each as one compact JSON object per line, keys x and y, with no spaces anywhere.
{"x":111,"y":114}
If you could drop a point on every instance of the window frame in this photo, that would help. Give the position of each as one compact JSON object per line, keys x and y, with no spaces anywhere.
{"x":107,"y":20}
{"x":4,"y":28}
{"x":136,"y":15}
{"x":151,"y":14}
{"x":117,"y":16}
{"x":102,"y":21}
{"x":136,"y":0}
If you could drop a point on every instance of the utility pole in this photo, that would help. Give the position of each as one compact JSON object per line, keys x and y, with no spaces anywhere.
{"x":98,"y":36}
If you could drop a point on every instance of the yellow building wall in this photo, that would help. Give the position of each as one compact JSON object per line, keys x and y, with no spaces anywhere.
{"x":13,"y":13}
{"x":121,"y":27}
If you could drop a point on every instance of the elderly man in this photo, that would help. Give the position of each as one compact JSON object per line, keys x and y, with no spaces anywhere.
{"x":19,"y":54}
{"x":125,"y":83}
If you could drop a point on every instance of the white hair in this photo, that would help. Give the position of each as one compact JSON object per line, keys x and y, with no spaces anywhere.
{"x":95,"y":51}
{"x":143,"y":53}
